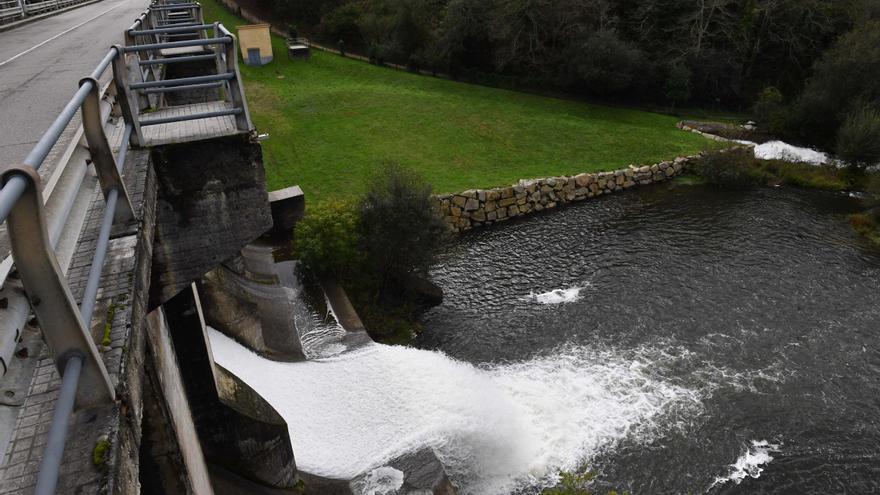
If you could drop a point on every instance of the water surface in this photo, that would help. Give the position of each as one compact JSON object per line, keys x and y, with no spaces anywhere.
{"x":751,"y":319}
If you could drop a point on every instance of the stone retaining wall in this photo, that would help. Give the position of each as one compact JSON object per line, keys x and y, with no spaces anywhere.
{"x":479,"y":207}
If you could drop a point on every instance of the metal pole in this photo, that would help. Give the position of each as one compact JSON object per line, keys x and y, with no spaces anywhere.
{"x":47,"y":478}
{"x":91,"y":292}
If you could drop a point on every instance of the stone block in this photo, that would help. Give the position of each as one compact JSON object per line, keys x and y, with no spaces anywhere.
{"x":288,"y":206}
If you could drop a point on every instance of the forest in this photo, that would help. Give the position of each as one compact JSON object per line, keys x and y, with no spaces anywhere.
{"x":808,"y":70}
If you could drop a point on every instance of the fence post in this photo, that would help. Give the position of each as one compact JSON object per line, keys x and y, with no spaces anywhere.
{"x":128,"y":102}
{"x":57,"y":313}
{"x":21,"y":5}
{"x":102,"y":155}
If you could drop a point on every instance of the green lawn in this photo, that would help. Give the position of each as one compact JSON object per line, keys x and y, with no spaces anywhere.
{"x":333,"y":120}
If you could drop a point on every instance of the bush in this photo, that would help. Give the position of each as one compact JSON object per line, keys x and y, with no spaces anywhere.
{"x":572,"y":484}
{"x":770,"y":111}
{"x":858,"y":141}
{"x":733,"y":168}
{"x":399,"y":231}
{"x":326,"y":240}
{"x":379,"y":249}
{"x":873,"y":189}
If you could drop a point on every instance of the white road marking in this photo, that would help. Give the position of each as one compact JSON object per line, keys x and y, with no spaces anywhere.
{"x":53,"y":38}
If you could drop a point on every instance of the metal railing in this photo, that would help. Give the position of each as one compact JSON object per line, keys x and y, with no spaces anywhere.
{"x":174,"y":32}
{"x":11,"y":10}
{"x":137,"y":81}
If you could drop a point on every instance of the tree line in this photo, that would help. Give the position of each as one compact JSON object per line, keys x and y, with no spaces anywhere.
{"x":808,"y":68}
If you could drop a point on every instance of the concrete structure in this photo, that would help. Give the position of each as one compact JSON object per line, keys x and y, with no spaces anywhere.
{"x":111,"y":387}
{"x":174,"y":423}
{"x":256,"y":44}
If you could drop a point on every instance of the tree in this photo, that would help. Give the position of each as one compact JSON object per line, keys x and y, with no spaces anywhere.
{"x":342,"y":23}
{"x":399,"y":231}
{"x":604,"y":64}
{"x":845,"y":78}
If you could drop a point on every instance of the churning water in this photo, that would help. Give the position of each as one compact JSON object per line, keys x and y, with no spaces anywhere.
{"x":759,"y":308}
{"x":677,"y":340}
{"x":495,"y":428}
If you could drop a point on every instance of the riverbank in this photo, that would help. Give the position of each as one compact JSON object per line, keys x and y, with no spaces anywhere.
{"x":479,"y":207}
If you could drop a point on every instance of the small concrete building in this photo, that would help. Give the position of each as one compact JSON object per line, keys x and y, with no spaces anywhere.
{"x":256,"y":44}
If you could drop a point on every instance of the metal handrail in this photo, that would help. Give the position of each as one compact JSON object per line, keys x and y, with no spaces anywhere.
{"x":85,"y":381}
{"x":18,"y":9}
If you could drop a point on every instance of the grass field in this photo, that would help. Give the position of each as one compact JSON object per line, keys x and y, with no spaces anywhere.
{"x":333,"y":120}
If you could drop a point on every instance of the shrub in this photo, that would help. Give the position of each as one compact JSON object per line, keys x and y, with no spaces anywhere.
{"x":866,"y":225}
{"x":326,"y":239}
{"x":858,"y":140}
{"x":572,"y":484}
{"x":379,"y":249}
{"x":873,"y":189}
{"x":770,"y":111}
{"x":733,"y":168}
{"x":399,"y":231}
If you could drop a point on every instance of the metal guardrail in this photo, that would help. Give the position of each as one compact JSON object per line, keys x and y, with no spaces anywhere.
{"x":12,"y":10}
{"x":137,"y":83}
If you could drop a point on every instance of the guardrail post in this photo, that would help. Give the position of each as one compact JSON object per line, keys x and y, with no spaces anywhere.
{"x":128,"y":101}
{"x":236,"y":88}
{"x":99,"y":149}
{"x":219,"y":62}
{"x":21,"y":6}
{"x":57,"y":313}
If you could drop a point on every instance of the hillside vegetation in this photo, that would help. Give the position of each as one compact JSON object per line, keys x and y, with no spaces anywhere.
{"x":332,"y":121}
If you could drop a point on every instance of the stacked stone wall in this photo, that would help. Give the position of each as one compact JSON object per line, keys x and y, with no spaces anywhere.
{"x":480,"y":207}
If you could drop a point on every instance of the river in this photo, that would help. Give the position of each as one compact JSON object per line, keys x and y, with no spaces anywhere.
{"x":672,"y":339}
{"x":750,"y":317}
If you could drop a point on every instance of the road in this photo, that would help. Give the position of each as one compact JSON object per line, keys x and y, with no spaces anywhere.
{"x":41,"y":64}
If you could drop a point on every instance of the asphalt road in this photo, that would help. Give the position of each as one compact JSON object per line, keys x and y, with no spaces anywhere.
{"x":41,"y":64}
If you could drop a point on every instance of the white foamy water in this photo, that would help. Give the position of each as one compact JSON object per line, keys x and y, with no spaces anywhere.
{"x":494,"y":428}
{"x":778,"y":150}
{"x":749,"y":464}
{"x":557,"y":296}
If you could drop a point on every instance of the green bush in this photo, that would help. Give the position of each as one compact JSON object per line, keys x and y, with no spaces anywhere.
{"x":379,"y":249}
{"x":858,"y":140}
{"x":731,"y":169}
{"x":399,"y":230}
{"x":326,"y":239}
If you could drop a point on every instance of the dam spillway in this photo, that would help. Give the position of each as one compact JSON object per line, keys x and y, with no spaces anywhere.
{"x":494,"y":428}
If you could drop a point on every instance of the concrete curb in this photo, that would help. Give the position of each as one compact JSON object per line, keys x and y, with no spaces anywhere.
{"x":28,"y":20}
